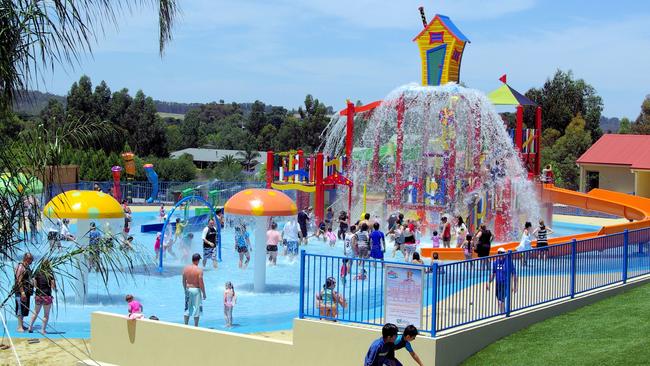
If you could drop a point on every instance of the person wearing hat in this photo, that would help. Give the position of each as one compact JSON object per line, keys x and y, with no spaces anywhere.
{"x":329,"y":299}
{"x":194,"y":290}
{"x":503,"y":270}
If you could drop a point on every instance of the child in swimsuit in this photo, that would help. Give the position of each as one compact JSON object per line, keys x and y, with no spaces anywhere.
{"x":229,"y":300}
{"x":135,"y":308}
{"x":331,"y":237}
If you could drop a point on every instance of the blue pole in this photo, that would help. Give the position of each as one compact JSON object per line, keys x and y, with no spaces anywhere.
{"x":626,"y":237}
{"x":509,"y":279}
{"x":574,"y":261}
{"x":301,"y":307}
{"x":434,"y":299}
{"x":169,"y":216}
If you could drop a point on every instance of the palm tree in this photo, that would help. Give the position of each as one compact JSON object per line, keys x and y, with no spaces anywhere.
{"x":227,"y":160}
{"x":248,"y":158}
{"x":37,"y":34}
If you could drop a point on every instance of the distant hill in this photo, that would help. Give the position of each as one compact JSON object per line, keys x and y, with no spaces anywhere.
{"x":34,"y":101}
{"x":610,"y":125}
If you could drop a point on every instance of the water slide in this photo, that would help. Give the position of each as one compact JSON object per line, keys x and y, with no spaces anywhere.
{"x":152,"y":177}
{"x":620,"y":204}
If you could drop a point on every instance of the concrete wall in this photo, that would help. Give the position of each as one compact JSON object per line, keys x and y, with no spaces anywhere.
{"x":613,"y":178}
{"x":116,"y":340}
{"x":642,"y":183}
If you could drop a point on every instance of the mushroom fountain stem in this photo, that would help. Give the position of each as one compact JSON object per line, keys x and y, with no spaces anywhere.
{"x":259,"y":278}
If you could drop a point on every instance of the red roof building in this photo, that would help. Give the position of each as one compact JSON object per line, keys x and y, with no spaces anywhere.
{"x":617,"y":162}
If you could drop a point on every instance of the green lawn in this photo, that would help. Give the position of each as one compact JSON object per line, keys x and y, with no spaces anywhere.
{"x":172,"y":115}
{"x":614,"y":331}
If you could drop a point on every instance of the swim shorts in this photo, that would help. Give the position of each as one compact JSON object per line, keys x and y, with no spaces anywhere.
{"x":303,"y":230}
{"x":208,"y":253}
{"x":194,"y":306}
{"x":22,"y":306}
{"x":271,"y":248}
{"x":242,"y":249}
{"x":501,"y":291}
{"x":364,"y":252}
{"x":43,"y":300}
{"x":292,"y":247}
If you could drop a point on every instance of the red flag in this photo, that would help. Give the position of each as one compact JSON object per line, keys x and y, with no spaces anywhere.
{"x":503,"y":78}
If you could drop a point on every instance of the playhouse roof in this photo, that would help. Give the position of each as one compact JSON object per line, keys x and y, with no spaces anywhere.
{"x":447,"y":23}
{"x":614,"y":149}
{"x":506,"y":95}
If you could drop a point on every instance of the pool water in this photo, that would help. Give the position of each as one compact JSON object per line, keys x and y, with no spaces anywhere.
{"x":162,"y":294}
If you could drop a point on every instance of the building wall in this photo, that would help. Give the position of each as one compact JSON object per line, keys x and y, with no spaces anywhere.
{"x":613,"y":178}
{"x":642,"y":183}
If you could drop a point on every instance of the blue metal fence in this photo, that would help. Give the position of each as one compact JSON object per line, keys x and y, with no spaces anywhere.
{"x":168,"y":192}
{"x":460,"y":293}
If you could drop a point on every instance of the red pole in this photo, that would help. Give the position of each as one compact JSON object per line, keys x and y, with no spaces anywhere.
{"x":520,"y":127}
{"x":349,"y":134}
{"x":269,"y":169}
{"x":398,"y":150}
{"x":538,"y":139}
{"x":320,"y":190}
{"x":301,"y":162}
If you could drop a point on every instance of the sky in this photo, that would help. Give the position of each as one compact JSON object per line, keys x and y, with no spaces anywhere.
{"x":277,"y":51}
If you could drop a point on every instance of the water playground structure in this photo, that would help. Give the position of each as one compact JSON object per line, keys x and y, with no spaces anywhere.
{"x":86,"y":207}
{"x":129,"y":169}
{"x":317,"y":174}
{"x":261,"y":205}
{"x":441,"y":149}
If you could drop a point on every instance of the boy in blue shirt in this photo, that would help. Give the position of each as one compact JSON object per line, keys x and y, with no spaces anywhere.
{"x":381,"y":348}
{"x":377,"y":243}
{"x":500,"y":268}
{"x":404,"y":341}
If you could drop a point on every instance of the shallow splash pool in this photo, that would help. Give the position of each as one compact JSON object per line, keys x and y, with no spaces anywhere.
{"x":162,"y":294}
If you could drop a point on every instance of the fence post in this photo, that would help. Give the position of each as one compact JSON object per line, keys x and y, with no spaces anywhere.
{"x":509,"y":269}
{"x":301,"y":307}
{"x":434,"y":299}
{"x":626,"y":239}
{"x":574,"y":261}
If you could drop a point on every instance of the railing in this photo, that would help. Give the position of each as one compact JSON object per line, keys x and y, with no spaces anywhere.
{"x":168,"y":192}
{"x":460,"y":293}
{"x":577,"y":211}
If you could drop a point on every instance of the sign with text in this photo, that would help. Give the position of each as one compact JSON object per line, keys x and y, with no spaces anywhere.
{"x":403,"y":295}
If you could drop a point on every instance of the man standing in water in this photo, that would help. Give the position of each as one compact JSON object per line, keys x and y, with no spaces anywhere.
{"x":194,"y":289}
{"x":23,"y":289}
{"x":303,"y":218}
{"x":209,"y":243}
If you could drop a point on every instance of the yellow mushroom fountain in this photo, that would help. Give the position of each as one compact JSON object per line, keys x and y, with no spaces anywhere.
{"x":86,"y":207}
{"x":261,"y":204}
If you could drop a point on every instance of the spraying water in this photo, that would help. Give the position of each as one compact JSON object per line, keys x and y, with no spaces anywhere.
{"x":435,"y":151}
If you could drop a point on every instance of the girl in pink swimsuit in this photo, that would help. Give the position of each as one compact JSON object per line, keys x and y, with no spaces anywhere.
{"x":229,"y":300}
{"x":135,"y":308}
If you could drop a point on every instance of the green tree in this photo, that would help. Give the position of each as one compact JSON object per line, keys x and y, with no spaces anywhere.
{"x":148,"y":134}
{"x":190,"y":129}
{"x":625,"y":127}
{"x":174,"y":138}
{"x":564,"y":97}
{"x":642,"y":123}
{"x":248,"y":157}
{"x":566,"y":150}
{"x":257,"y":119}
{"x":266,"y":140}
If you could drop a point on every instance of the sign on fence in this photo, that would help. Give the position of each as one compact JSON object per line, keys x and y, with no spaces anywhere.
{"x":403,"y":295}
